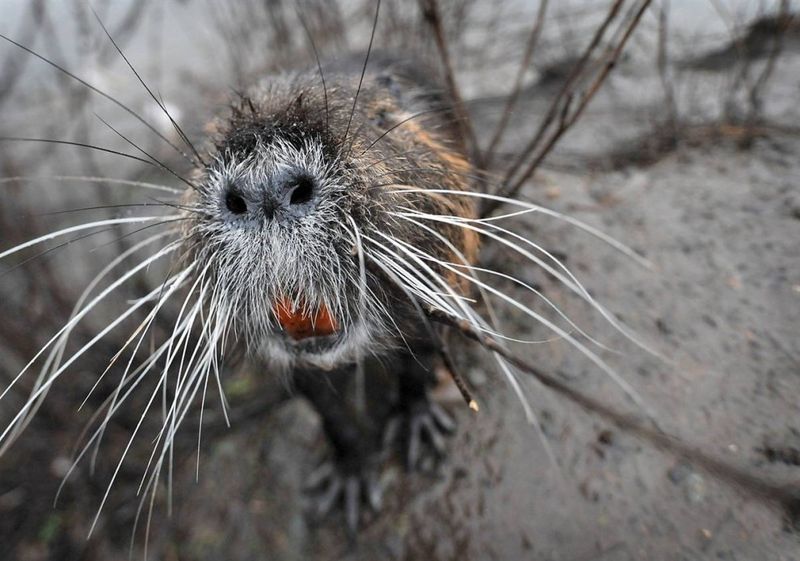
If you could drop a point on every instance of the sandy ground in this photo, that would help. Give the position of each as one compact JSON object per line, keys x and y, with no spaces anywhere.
{"x":721,"y":225}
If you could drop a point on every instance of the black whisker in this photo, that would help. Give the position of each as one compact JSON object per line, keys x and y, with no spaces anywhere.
{"x":158,"y":102}
{"x":143,"y":228}
{"x":102,"y":207}
{"x":363,"y":72}
{"x":99,"y":92}
{"x":185,"y":208}
{"x":319,"y":67}
{"x":79,"y":144}
{"x":152,"y":203}
{"x":136,"y":231}
{"x":155,"y":160}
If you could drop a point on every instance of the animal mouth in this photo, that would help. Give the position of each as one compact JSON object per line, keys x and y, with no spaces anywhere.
{"x":301,"y":322}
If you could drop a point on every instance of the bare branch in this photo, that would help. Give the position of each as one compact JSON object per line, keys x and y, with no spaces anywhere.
{"x":432,"y":15}
{"x":530,"y":46}
{"x":562,"y":106}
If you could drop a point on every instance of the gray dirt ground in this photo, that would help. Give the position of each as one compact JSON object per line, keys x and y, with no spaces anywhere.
{"x":721,"y":225}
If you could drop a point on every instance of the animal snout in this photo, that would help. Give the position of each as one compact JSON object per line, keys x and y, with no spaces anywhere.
{"x":286,"y":196}
{"x":298,"y":191}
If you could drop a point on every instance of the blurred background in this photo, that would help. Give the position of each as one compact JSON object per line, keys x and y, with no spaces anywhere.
{"x":688,"y":152}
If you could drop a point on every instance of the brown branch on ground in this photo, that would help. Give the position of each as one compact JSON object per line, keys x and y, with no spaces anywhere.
{"x":784,"y":495}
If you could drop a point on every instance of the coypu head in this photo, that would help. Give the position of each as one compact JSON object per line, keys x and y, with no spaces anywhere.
{"x":303,"y":216}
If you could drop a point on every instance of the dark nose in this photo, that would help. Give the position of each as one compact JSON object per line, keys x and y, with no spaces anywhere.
{"x":289,"y":196}
{"x":285,"y":197}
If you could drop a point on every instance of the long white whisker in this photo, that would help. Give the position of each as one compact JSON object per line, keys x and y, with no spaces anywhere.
{"x":125,"y":451}
{"x":479,"y":324}
{"x":168,"y":249}
{"x":86,"y":226}
{"x":430,"y":295}
{"x":134,"y":380}
{"x":514,"y":280}
{"x":484,"y":295}
{"x":57,"y":352}
{"x":144,"y":326}
{"x":629,"y":391}
{"x":572,"y":283}
{"x":434,"y":299}
{"x":86,"y":347}
{"x":200,"y":427}
{"x":182,"y":332}
{"x":92,"y":179}
{"x":119,"y":464}
{"x":183,"y":402}
{"x":66,"y":365}
{"x":223,"y":325}
{"x":509,"y":375}
{"x":163,"y":296}
{"x":619,"y":246}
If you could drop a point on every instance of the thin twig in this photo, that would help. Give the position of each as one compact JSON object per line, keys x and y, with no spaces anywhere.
{"x":576,"y":72}
{"x":662,"y":63}
{"x":530,"y":46}
{"x":444,"y":352}
{"x":567,"y":117}
{"x":432,"y":15}
{"x":14,"y":65}
{"x":782,"y":22}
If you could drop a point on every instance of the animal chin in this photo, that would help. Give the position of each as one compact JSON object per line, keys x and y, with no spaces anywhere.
{"x":301,"y":322}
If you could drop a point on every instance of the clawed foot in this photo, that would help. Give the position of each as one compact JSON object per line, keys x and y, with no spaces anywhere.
{"x":333,"y":482}
{"x":422,"y":426}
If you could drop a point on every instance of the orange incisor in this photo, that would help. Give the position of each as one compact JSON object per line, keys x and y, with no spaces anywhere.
{"x":300,"y":322}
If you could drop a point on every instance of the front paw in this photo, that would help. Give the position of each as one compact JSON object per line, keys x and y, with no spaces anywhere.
{"x":422,"y":426}
{"x":349,"y":484}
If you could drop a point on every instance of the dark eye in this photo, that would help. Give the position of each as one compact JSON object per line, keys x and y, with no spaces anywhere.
{"x":235,"y":203}
{"x":303,"y":190}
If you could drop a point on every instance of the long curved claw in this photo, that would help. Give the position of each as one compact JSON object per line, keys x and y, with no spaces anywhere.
{"x":329,"y":484}
{"x":352,"y":500}
{"x":323,"y":503}
{"x":424,"y":425}
{"x":443,"y":419}
{"x":374,"y":491}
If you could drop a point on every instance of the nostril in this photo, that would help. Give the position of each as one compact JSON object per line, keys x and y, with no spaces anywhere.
{"x":303,"y":191}
{"x":235,"y":203}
